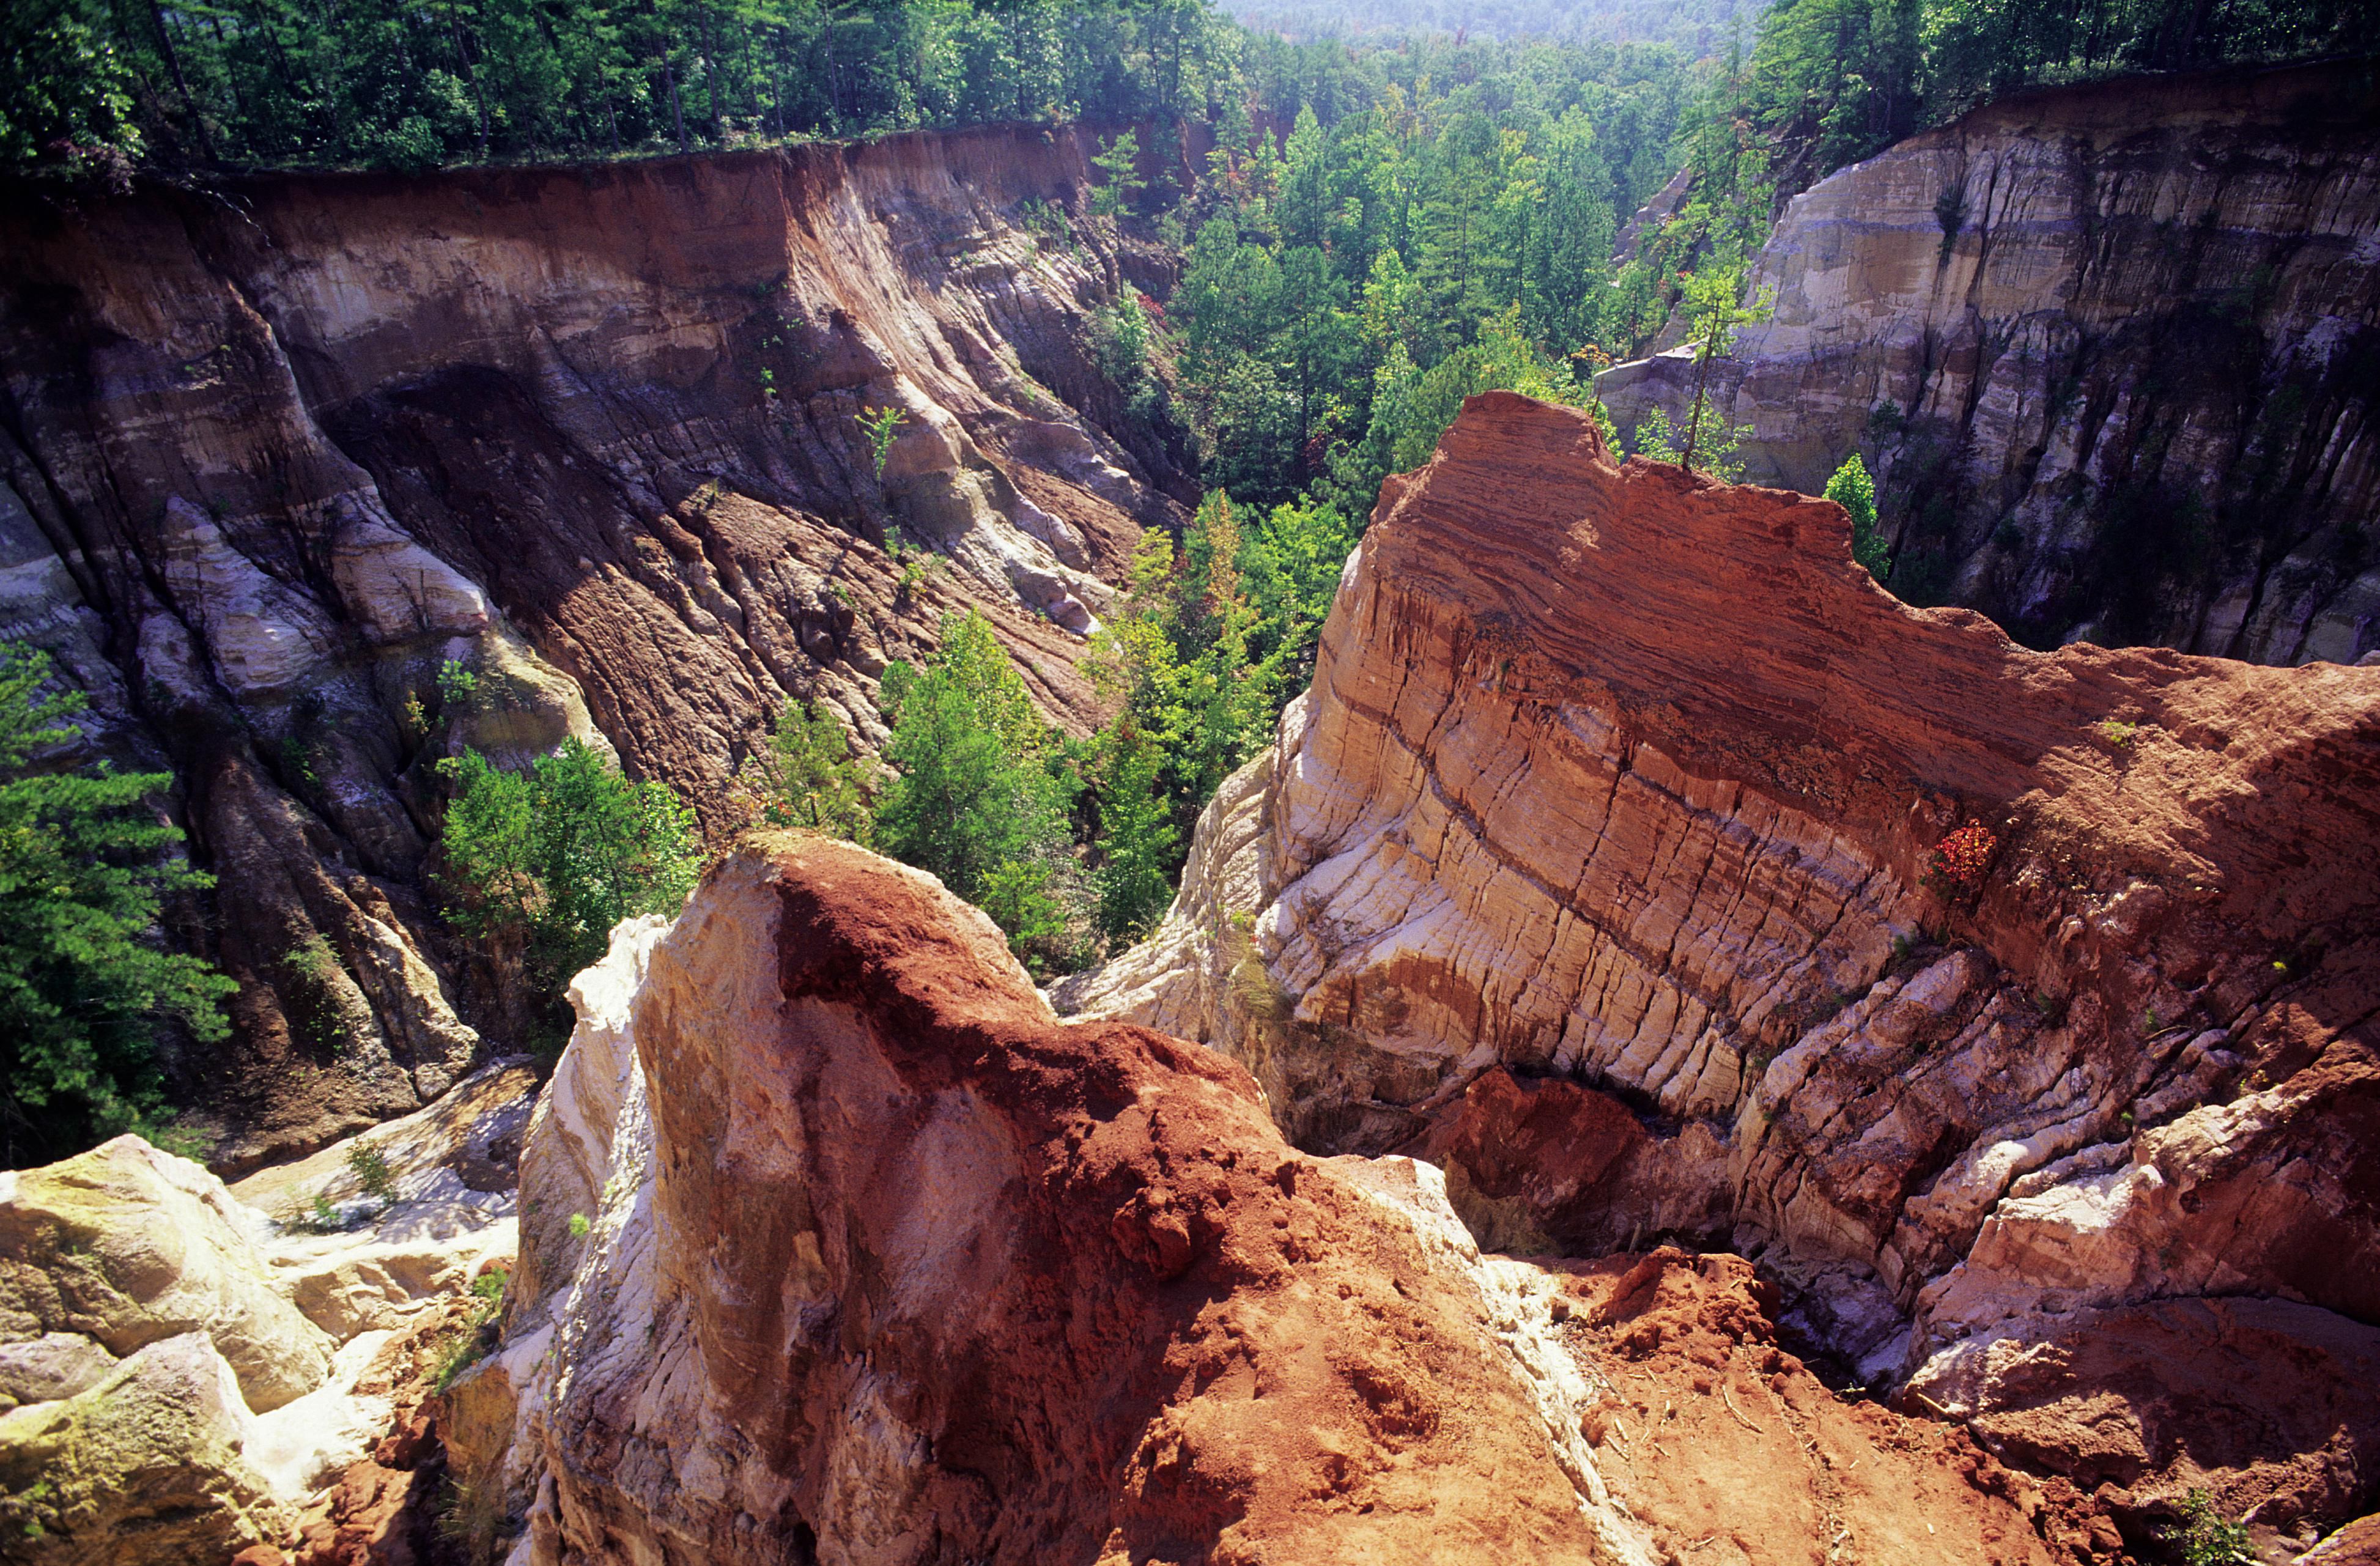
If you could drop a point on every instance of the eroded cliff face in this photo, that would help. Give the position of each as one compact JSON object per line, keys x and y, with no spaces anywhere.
{"x":882,"y":1263}
{"x":1592,"y":867}
{"x":274,"y":453}
{"x":2110,"y":351}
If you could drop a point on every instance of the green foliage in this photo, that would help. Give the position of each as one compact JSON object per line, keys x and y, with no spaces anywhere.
{"x":580,"y":1226}
{"x":1198,"y":655}
{"x":2207,"y":1539}
{"x":978,"y":795}
{"x":322,"y":1004}
{"x":1139,"y":844}
{"x":558,"y":856}
{"x":881,"y":425}
{"x":1852,"y":488}
{"x":1833,"y":81}
{"x":809,"y":777}
{"x":1120,"y":163}
{"x":459,"y":688}
{"x":1656,"y":441}
{"x":66,"y":95}
{"x":383,"y":83}
{"x":371,"y":1170}
{"x":1713,"y":311}
{"x":477,"y":1336}
{"x":1443,"y":227}
{"x":85,"y":985}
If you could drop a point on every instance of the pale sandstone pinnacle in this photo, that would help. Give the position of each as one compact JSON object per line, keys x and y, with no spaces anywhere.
{"x":1627,"y":778}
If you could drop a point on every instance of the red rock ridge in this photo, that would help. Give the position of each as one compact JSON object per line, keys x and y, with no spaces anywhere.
{"x":889,"y":1266}
{"x":1628,"y":779}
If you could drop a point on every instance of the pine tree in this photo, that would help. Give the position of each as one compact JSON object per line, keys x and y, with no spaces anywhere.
{"x":1120,"y":165}
{"x":85,"y":865}
{"x":810,"y":778}
{"x":1139,"y":844}
{"x":973,"y":799}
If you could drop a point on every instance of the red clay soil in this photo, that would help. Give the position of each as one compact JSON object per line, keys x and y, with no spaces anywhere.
{"x":1736,"y":1453}
{"x":1077,"y":1268}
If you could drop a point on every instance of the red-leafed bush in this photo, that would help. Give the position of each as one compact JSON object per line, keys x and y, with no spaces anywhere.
{"x":1960,"y":860}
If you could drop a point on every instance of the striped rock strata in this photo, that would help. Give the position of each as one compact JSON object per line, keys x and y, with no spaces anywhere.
{"x":875,"y":1262}
{"x":2110,"y":350}
{"x":274,"y":454}
{"x":1593,"y":866}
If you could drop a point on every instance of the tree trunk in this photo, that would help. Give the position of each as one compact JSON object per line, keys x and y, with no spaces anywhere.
{"x":677,"y":112}
{"x":173,"y":68}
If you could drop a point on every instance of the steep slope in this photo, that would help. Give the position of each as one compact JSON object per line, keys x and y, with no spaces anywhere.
{"x":2110,"y":350}
{"x":272,"y":454}
{"x":1594,"y":866}
{"x":883,"y":1264}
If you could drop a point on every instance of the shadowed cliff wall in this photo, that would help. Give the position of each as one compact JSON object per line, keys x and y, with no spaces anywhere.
{"x":2111,"y":352}
{"x":274,"y":453}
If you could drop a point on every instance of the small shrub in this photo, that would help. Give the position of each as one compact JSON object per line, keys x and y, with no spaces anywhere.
{"x":2206,"y":1538}
{"x":1960,"y":862}
{"x":317,"y":1216}
{"x":467,"y":1349}
{"x":371,"y":1167}
{"x":1852,"y":488}
{"x":580,"y":1225}
{"x":459,"y":688}
{"x":2118,"y":733}
{"x":317,"y":1000}
{"x":298,"y":762}
{"x":881,"y":425}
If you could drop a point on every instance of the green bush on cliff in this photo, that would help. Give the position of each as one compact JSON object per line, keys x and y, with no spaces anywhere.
{"x":807,"y":777}
{"x":1852,"y":488}
{"x":983,"y":794}
{"x":85,"y":864}
{"x":556,"y":855}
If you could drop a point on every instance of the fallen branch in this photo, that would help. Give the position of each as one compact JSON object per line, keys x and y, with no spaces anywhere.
{"x":1727,"y":1399}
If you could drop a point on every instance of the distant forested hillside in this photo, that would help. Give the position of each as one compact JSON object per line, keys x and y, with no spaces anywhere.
{"x":1695,"y":27}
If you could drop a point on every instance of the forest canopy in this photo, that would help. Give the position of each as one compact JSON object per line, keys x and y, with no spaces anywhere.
{"x":98,"y":86}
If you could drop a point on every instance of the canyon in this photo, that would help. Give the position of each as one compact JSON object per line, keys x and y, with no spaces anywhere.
{"x":2108,"y":350}
{"x":1572,"y":1110}
{"x":1669,"y":1054}
{"x":279,"y":451}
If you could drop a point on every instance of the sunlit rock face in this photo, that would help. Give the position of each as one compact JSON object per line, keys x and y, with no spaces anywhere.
{"x":276,"y":454}
{"x":1593,"y":866}
{"x":874,"y":1260}
{"x":188,"y":1371}
{"x":2110,"y":350}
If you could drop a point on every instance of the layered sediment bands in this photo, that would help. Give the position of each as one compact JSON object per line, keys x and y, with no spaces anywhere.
{"x":2111,"y":351}
{"x":882,"y":1263}
{"x":1593,"y":866}
{"x":274,"y":453}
